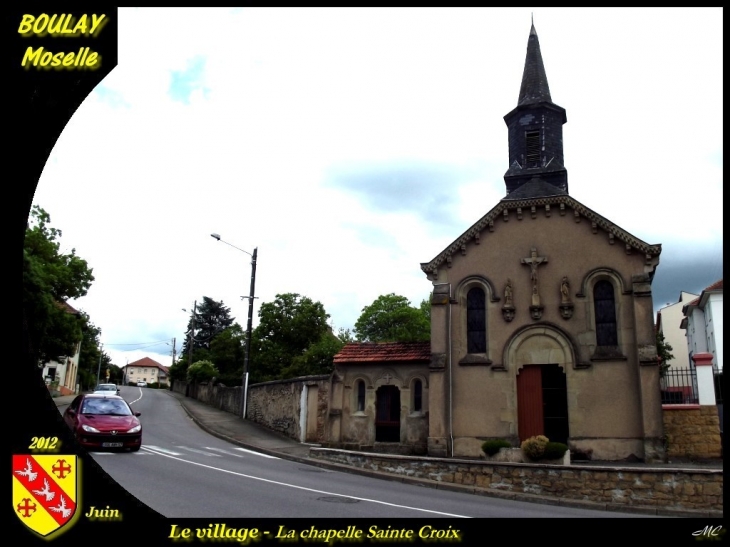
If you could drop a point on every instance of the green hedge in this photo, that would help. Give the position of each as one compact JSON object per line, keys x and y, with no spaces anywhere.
{"x":492,"y":446}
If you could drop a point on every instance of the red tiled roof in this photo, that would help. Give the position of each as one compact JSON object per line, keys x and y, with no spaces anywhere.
{"x":147,"y":362}
{"x":67,"y":307}
{"x":716,"y":286}
{"x":369,"y":352}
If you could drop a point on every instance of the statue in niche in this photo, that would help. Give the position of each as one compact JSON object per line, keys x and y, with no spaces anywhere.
{"x":565,"y":290}
{"x":508,"y":293}
{"x":508,"y":309}
{"x":566,"y":306}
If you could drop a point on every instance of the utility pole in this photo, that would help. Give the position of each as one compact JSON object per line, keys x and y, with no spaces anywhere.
{"x":248,"y":333}
{"x":192,"y":334}
{"x":173,"y":351}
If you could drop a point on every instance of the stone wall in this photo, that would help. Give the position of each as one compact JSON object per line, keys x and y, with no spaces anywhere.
{"x":611,"y":487}
{"x":692,"y":432}
{"x":223,"y":398}
{"x":278,"y":404}
{"x":178,"y":386}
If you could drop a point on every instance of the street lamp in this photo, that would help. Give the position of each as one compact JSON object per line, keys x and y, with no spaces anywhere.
{"x":250,"y":319}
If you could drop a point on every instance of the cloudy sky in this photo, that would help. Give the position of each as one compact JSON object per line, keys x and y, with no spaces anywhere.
{"x":350,"y":145}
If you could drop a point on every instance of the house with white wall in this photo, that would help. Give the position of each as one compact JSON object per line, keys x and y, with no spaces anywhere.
{"x":145,"y":370}
{"x":703,"y":324}
{"x":668,"y":322}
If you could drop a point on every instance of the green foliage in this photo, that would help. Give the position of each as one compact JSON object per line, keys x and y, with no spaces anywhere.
{"x":345,"y":336}
{"x":287,"y":327}
{"x":534,"y":447}
{"x":90,"y":352}
{"x":318,"y":358}
{"x":491,"y":447}
{"x":227,"y":350}
{"x":391,"y":318}
{"x":209,"y":319}
{"x":664,"y":352}
{"x":178,"y":371}
{"x":554,"y":451}
{"x":50,"y":278}
{"x":201,"y":371}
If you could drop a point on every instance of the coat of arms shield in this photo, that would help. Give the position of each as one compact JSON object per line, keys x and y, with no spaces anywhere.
{"x":46,"y":491}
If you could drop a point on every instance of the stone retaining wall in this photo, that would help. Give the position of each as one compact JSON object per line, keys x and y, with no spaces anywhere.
{"x":692,"y":431}
{"x":278,"y":405}
{"x":613,"y":487}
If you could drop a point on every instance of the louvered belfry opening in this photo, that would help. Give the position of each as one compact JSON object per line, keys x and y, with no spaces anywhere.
{"x":532,"y":149}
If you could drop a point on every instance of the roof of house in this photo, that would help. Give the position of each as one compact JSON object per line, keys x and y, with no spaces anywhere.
{"x":147,"y":362}
{"x":701,"y":301}
{"x":66,"y":306}
{"x":378,"y":352}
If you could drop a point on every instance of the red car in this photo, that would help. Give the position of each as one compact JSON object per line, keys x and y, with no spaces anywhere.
{"x":104,"y":421}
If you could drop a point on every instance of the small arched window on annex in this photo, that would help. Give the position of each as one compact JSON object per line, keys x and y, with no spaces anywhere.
{"x":359,"y":392}
{"x":419,"y":394}
{"x":603,"y":288}
{"x":474,"y":295}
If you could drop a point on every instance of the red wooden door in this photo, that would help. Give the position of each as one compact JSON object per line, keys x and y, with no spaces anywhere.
{"x":530,"y":420}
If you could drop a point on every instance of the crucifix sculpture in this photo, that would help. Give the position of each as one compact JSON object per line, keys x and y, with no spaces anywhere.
{"x":534,"y":261}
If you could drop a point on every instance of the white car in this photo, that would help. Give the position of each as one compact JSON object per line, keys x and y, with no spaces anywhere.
{"x":141,"y":384}
{"x":107,"y":389}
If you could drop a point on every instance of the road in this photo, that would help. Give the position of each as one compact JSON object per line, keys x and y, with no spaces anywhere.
{"x":182,"y":471}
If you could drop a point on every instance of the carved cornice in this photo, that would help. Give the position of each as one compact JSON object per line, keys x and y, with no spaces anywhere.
{"x":502,"y":209}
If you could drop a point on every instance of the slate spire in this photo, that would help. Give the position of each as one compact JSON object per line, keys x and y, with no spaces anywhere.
{"x":535,"y":133}
{"x":534,"y":87}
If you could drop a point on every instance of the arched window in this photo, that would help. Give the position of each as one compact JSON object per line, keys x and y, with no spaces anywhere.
{"x":360,"y":396}
{"x":417,"y":395}
{"x":605,"y":306}
{"x":476,"y":321}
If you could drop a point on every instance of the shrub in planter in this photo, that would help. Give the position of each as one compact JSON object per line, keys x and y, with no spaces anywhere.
{"x":491,"y":447}
{"x":534,"y":447}
{"x":554,"y":451}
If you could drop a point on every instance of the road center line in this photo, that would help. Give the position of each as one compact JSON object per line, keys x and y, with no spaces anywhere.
{"x":304,"y":488}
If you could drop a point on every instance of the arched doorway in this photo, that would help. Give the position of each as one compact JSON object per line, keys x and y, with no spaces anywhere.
{"x":542,"y":403}
{"x":387,"y":415}
{"x":540,"y":357}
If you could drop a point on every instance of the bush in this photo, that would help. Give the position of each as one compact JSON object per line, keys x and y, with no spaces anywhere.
{"x":491,"y":447}
{"x":554,"y":451}
{"x":202,"y":371}
{"x":534,"y":447}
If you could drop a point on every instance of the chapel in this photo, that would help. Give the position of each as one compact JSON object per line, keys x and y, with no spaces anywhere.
{"x":541,"y":323}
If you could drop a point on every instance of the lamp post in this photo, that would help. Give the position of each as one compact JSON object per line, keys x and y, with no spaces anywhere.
{"x":250,"y":320}
{"x":98,"y":369}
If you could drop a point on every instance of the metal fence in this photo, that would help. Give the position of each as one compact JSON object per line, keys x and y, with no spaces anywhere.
{"x":717,"y":373}
{"x":679,"y":387}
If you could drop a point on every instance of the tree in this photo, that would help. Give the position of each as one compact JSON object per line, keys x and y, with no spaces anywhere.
{"x":201,"y":371}
{"x":391,"y":318}
{"x":90,"y":352}
{"x":211,"y":319}
{"x":287,"y":327}
{"x":345,"y":336}
{"x":227,"y":352}
{"x":317,"y":359}
{"x":664,"y":351}
{"x":50,"y":278}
